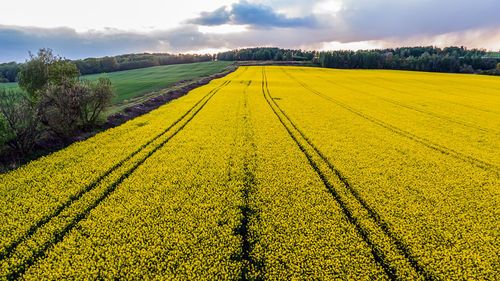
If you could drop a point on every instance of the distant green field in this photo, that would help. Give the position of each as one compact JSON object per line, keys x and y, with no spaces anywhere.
{"x":12,"y":85}
{"x":130,"y":83}
{"x":495,"y":55}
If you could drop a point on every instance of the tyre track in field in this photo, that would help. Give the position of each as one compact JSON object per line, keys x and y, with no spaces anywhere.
{"x":317,"y":159}
{"x":425,"y":84}
{"x":89,"y":187}
{"x":423,"y":141}
{"x":478,"y":85}
{"x":433,"y":87}
{"x":448,"y":101}
{"x":430,"y":113}
{"x":472,"y":107}
{"x":57,"y":237}
{"x":247,"y":177}
{"x":439,"y":90}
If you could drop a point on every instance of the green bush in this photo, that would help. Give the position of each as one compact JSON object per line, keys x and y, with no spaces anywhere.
{"x":19,"y":123}
{"x":96,"y":100}
{"x":66,"y":106}
{"x":3,"y":132}
{"x":59,"y":106}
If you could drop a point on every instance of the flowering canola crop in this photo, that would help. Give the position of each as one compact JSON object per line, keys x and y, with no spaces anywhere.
{"x":272,"y":173}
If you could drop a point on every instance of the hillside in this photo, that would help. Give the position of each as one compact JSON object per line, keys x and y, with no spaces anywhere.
{"x":130,"y":83}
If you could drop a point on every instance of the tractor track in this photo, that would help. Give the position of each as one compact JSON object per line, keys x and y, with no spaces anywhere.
{"x":423,"y":141}
{"x":317,"y":159}
{"x":89,"y":187}
{"x":182,"y":121}
{"x":430,"y":113}
{"x":248,"y":158}
{"x":425,"y":84}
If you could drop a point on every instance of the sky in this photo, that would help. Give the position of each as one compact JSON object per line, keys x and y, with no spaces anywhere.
{"x":96,"y":28}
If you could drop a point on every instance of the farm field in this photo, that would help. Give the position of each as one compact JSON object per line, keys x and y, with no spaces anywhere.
{"x":272,"y":173}
{"x":10,"y":85}
{"x":130,"y":83}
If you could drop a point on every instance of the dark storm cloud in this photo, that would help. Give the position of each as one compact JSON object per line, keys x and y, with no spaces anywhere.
{"x":256,"y":15}
{"x":260,"y":15}
{"x":217,"y":17}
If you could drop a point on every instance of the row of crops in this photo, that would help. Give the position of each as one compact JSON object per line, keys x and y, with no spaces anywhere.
{"x":272,"y":173}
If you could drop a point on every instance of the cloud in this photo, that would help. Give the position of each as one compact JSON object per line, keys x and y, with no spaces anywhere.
{"x":16,"y":42}
{"x":361,"y":20}
{"x":217,"y":17}
{"x":368,"y":19}
{"x":253,"y":14}
{"x":481,"y":38}
{"x":388,"y":23}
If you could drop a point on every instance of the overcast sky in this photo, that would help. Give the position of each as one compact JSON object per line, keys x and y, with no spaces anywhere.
{"x":95,"y":28}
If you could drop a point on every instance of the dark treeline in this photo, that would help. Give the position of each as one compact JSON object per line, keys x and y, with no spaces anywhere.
{"x":9,"y":71}
{"x":274,"y":54}
{"x":451,"y":59}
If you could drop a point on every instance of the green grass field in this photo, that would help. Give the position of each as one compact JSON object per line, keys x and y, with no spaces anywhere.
{"x":11,"y":85}
{"x":130,"y":83}
{"x":493,"y":55}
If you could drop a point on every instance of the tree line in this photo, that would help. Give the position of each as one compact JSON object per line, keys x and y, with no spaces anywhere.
{"x":9,"y":71}
{"x":264,"y":54}
{"x":432,"y":59}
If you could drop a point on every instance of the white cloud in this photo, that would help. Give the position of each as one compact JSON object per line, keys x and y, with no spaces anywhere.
{"x":130,"y":15}
{"x":480,"y":38}
{"x":360,"y":45}
{"x":223,"y":29}
{"x":101,"y":27}
{"x":331,"y":7}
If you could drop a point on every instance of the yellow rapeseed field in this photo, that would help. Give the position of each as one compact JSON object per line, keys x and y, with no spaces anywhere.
{"x":273,"y":173}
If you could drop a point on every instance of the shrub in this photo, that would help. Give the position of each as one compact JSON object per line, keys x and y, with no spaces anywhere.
{"x":96,"y":100}
{"x":3,"y":132}
{"x":19,"y":124}
{"x":66,"y":106}
{"x":466,"y":68}
{"x":59,"y":106}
